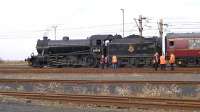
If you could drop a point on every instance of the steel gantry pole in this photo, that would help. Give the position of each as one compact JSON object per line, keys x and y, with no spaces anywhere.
{"x":123,"y":21}
{"x":161,"y":28}
{"x":55,"y":27}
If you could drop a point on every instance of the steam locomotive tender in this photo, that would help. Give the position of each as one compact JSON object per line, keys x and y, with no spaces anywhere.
{"x":131,"y":51}
{"x":134,"y":50}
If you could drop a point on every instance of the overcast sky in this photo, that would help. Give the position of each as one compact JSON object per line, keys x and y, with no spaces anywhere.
{"x":23,"y":22}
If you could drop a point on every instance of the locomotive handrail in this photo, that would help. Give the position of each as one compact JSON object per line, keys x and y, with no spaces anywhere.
{"x":72,"y":52}
{"x":131,"y":43}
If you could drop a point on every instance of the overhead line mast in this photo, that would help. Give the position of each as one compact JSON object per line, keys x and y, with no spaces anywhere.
{"x":160,"y":29}
{"x":139,"y":24}
{"x":55,"y":28}
{"x":123,"y":20}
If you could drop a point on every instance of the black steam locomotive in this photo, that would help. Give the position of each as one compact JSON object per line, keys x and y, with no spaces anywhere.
{"x":132,"y":50}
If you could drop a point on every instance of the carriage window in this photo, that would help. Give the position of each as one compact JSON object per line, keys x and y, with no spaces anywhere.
{"x":98,"y":42}
{"x":171,"y":43}
{"x":194,"y":44}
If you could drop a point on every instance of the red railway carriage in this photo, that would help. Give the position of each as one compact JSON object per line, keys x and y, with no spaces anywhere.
{"x":185,"y":46}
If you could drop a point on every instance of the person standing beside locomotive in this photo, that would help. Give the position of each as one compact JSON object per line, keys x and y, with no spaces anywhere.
{"x":114,"y":62}
{"x":106,"y":61}
{"x":156,"y":60}
{"x":162,"y":62}
{"x":102,"y":61}
{"x":172,"y":61}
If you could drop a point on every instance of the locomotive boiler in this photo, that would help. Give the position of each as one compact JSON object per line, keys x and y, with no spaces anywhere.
{"x":66,"y":52}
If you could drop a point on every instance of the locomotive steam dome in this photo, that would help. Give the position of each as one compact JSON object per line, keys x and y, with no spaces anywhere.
{"x":66,"y":38}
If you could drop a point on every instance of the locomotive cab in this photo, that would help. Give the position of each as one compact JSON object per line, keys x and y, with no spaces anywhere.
{"x":99,"y":44}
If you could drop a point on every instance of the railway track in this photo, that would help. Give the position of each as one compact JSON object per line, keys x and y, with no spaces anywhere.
{"x":118,"y":101}
{"x":28,"y":70}
{"x":95,"y":81}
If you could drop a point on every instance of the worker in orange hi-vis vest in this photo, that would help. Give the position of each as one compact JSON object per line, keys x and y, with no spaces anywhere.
{"x":162,"y":62}
{"x":172,"y":61}
{"x":114,"y":61}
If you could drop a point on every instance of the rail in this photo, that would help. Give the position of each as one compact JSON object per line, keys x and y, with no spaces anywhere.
{"x":96,"y":81}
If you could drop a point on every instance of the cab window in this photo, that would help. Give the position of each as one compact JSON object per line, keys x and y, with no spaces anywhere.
{"x":98,"y":42}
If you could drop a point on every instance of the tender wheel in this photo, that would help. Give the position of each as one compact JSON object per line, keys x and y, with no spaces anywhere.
{"x":138,"y":63}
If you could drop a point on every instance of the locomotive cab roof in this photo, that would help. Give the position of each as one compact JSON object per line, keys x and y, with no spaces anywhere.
{"x":104,"y":37}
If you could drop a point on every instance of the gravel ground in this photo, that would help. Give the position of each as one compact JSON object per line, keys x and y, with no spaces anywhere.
{"x":20,"y":107}
{"x":26,"y":72}
{"x":110,"y":76}
{"x":19,"y":69}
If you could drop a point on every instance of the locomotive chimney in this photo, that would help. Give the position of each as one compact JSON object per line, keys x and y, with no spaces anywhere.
{"x":45,"y":38}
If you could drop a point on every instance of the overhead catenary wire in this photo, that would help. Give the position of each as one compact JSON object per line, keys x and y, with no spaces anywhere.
{"x":177,"y":24}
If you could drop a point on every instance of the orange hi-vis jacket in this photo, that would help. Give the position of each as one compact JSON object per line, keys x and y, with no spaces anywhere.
{"x":162,"y":60}
{"x":114,"y":59}
{"x":172,"y":59}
